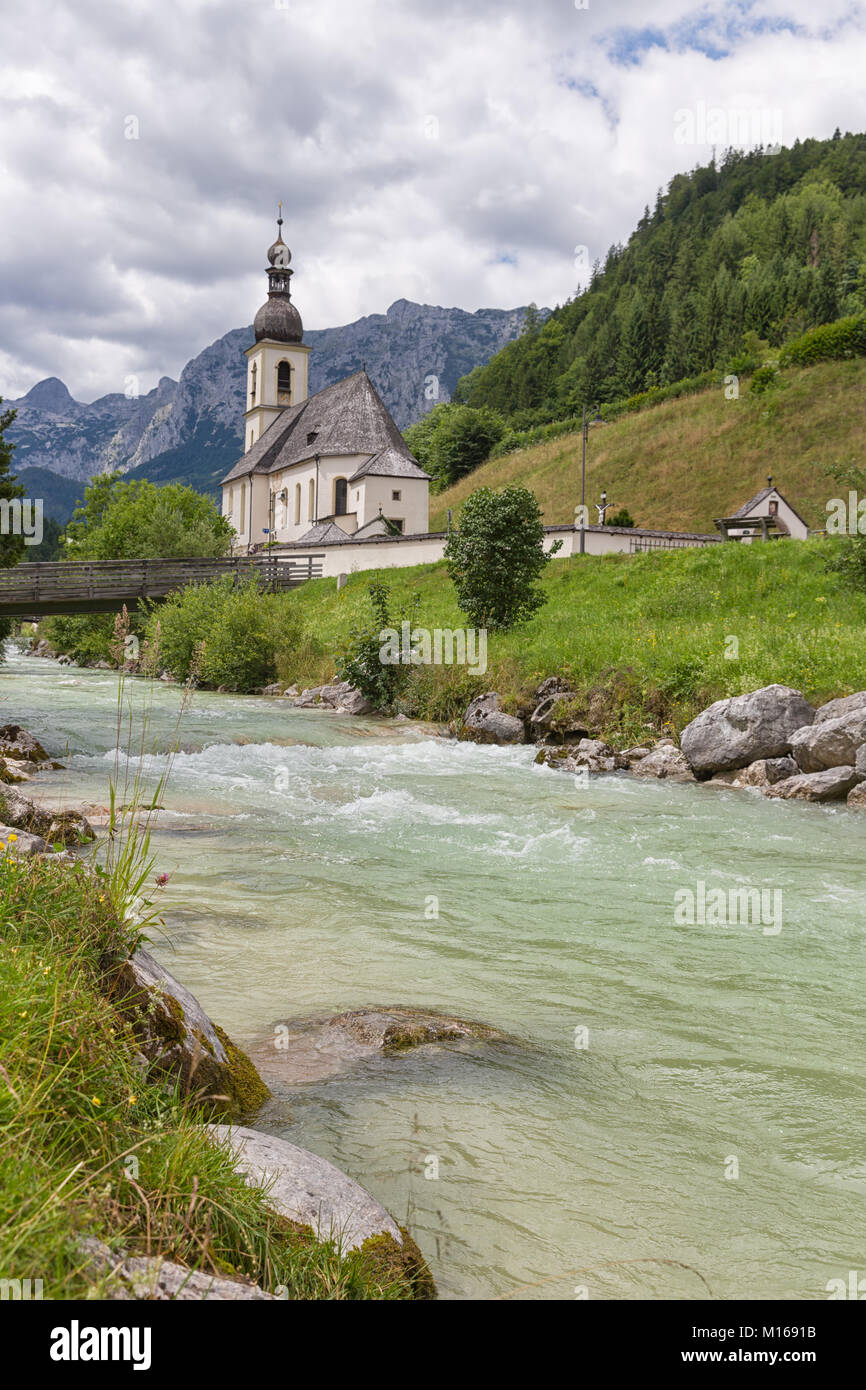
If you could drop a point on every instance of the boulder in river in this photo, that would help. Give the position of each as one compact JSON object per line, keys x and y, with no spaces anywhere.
{"x":66,"y":827}
{"x":831,"y":784}
{"x":17,"y":743}
{"x":485,"y":722}
{"x":313,"y":1049}
{"x":177,"y":1040}
{"x":735,"y":732}
{"x":831,"y":742}
{"x":765,"y":772}
{"x":857,"y":797}
{"x":667,"y":762}
{"x":310,"y":1191}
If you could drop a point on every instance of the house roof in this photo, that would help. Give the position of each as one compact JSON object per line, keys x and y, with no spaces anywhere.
{"x":761,"y":497}
{"x":348,"y":417}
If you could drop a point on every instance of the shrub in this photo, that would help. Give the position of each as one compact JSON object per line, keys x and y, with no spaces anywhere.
{"x":842,"y":339}
{"x":226,"y":634}
{"x":379,"y":681}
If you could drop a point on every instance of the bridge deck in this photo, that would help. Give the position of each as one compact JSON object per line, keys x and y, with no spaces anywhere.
{"x":104,"y":586}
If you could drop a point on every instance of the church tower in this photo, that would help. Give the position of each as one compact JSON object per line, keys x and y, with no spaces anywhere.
{"x":277,"y":360}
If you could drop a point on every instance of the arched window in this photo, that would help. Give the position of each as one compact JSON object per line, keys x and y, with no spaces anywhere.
{"x":253,"y":374}
{"x":341,"y":496}
{"x":297,"y":504}
{"x":231,"y":511}
{"x":284,"y":383}
{"x":243,"y":505}
{"x":312,"y":499}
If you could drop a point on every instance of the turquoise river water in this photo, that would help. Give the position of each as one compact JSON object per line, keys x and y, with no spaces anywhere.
{"x":703,"y":1136}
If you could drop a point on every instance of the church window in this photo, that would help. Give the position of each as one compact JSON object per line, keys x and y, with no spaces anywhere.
{"x":243,"y":505}
{"x":297,"y":504}
{"x":341,"y":498}
{"x":253,"y":374}
{"x":395,"y":496}
{"x":284,"y":383}
{"x":312,"y":499}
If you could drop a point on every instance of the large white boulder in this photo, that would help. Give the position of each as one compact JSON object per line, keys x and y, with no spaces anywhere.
{"x":308,"y":1189}
{"x":735,"y":732}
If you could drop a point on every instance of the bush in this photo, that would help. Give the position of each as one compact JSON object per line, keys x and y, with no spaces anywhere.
{"x":842,"y":339}
{"x":236,"y":636}
{"x":764,"y":378}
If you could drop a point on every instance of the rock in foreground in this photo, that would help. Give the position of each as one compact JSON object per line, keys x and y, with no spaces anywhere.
{"x":735,"y":732}
{"x":179,"y":1042}
{"x":831,"y":784}
{"x":124,"y":1277}
{"x":485,"y":722}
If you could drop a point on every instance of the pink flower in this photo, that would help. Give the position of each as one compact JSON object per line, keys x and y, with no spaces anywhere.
{"x":162,"y":880}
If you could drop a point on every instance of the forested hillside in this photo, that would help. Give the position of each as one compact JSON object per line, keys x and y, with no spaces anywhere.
{"x":754,"y":247}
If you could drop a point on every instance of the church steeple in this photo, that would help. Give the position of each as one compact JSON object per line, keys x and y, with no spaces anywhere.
{"x":277,"y":374}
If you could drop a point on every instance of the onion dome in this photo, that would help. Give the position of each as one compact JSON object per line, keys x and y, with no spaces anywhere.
{"x":278,"y":318}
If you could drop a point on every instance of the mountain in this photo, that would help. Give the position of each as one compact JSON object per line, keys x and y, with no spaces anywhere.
{"x":736,"y":258}
{"x":191,"y":430}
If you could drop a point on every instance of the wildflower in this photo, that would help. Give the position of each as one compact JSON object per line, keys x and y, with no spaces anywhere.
{"x":131,"y":1100}
{"x":12,"y":836}
{"x":817,"y":600}
{"x":162,"y":880}
{"x":95,"y":1100}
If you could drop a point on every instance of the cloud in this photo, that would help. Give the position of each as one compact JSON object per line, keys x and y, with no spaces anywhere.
{"x":457,"y":153}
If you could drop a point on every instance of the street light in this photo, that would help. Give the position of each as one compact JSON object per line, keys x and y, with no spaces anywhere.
{"x":596,"y":420}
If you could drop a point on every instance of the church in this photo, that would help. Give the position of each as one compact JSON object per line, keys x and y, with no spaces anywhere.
{"x":316,"y":470}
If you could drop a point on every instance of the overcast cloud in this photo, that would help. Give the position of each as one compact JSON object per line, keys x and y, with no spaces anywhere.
{"x":452,"y":153}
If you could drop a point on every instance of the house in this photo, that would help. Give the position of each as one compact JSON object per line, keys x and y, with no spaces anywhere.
{"x":766,"y":516}
{"x":316,"y":469}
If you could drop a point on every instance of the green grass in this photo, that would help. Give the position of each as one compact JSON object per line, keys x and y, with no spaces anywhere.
{"x":88,"y":1147}
{"x":678,"y":465}
{"x":643,"y":638}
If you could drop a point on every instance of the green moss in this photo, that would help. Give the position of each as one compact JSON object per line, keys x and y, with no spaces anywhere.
{"x":390,"y":1262}
{"x":246,"y":1088}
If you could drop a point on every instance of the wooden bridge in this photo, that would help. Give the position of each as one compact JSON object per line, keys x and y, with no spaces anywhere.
{"x":104,"y":586}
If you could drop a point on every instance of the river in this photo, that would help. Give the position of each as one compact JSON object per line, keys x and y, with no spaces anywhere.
{"x":683,"y":1115}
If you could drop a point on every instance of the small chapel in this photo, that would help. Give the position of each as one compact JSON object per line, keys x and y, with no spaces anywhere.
{"x":315,"y":469}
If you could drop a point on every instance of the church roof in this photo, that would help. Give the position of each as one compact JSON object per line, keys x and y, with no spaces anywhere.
{"x":349,"y":417}
{"x":323,"y":533}
{"x":390,"y":463}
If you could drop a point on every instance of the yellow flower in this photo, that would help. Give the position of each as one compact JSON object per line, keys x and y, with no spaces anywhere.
{"x":817,"y":600}
{"x":96,"y":1100}
{"x":13,"y":836}
{"x":23,"y":1014}
{"x":132,"y":1100}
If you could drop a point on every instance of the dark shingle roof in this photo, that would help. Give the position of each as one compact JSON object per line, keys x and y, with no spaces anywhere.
{"x":349,"y":417}
{"x":390,"y":463}
{"x":323,"y":533}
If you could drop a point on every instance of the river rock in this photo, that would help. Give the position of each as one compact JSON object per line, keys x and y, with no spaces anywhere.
{"x":20,"y":843}
{"x":830,"y":743}
{"x":67,"y":827}
{"x":485,"y":722}
{"x":839,"y":709}
{"x":308,"y":1189}
{"x":180,"y":1042}
{"x":317,"y":1048}
{"x":552,"y":718}
{"x":339,"y":695}
{"x":735,"y":732}
{"x":765,"y":772}
{"x":18,"y":744}
{"x":121,"y":1277}
{"x":665,"y":761}
{"x":275,"y":689}
{"x":831,"y":784}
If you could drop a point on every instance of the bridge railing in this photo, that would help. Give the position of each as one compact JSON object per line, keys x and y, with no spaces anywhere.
{"x":126,"y":581}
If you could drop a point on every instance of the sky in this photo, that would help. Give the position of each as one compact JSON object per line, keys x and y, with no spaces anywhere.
{"x":477,"y":154}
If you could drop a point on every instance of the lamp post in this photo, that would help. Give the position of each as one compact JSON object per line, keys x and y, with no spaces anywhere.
{"x":596,"y":419}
